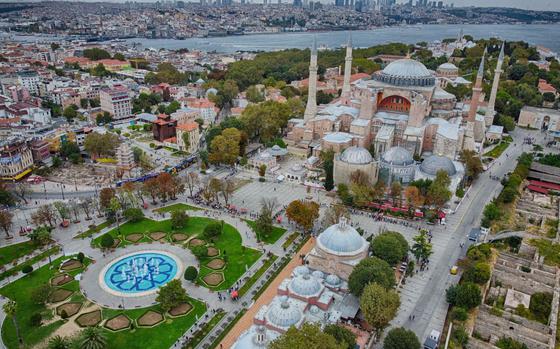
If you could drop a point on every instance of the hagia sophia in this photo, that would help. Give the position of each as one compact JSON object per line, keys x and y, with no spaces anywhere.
{"x":384,"y":124}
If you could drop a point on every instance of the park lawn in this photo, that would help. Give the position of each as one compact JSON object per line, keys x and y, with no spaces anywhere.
{"x":498,"y":150}
{"x":276,"y":234}
{"x":10,"y":253}
{"x":161,"y":336}
{"x":41,"y":256}
{"x":20,"y":291}
{"x":177,"y":207}
{"x":238,"y":257}
{"x":92,"y":231}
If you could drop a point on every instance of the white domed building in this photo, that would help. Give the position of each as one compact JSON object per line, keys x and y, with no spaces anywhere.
{"x":351,"y":160}
{"x":337,"y":250}
{"x":397,"y":164}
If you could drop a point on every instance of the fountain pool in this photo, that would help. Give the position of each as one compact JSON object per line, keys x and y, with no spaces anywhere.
{"x":139,"y":273}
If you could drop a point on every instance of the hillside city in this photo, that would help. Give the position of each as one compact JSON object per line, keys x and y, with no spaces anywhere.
{"x":395,"y":196}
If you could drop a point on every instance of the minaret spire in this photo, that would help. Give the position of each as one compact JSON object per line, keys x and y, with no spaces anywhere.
{"x":347,"y":70}
{"x":477,"y":90}
{"x":311,"y":108}
{"x":489,"y":117}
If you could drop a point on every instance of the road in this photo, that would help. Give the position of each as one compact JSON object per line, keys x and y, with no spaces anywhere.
{"x":423,"y":296}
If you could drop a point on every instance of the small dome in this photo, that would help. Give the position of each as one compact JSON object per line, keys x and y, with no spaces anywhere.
{"x":398,"y":156}
{"x":436,"y":163}
{"x":318,"y":274}
{"x":305,"y":285}
{"x":211,"y":90}
{"x":341,"y":238}
{"x":301,"y":270}
{"x":332,"y":280}
{"x":356,"y":155}
{"x":283,"y":313}
{"x":448,"y":66}
{"x":338,"y":137}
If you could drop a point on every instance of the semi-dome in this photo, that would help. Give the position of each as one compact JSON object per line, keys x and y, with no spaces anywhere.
{"x":282,"y":313}
{"x":356,"y":155}
{"x":341,"y":239}
{"x":398,"y":156}
{"x":305,"y":285}
{"x":436,"y":163}
{"x":406,"y":72}
{"x":332,"y":280}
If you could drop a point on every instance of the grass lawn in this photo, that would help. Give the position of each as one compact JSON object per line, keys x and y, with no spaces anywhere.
{"x":31,"y":261}
{"x":178,"y":207}
{"x":277,"y":232}
{"x":161,"y":336}
{"x":238,"y":256}
{"x":498,"y":150}
{"x":548,"y":249}
{"x":20,"y":291}
{"x":16,"y":251}
{"x":290,"y":240}
{"x":92,"y":231}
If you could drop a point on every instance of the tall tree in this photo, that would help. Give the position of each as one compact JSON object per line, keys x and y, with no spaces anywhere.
{"x":473,"y":164}
{"x":224,"y":148}
{"x":438,"y":192}
{"x":227,"y":189}
{"x":264,"y":224}
{"x":22,"y":190}
{"x":309,"y":336}
{"x":413,"y":197}
{"x":304,"y":213}
{"x":390,"y":246}
{"x":370,"y":270}
{"x":92,"y":338}
{"x":379,"y":306}
{"x":45,"y":214}
{"x":401,"y":338}
{"x":6,"y":221}
{"x":10,"y":309}
{"x":191,"y":181}
{"x":105,"y":196}
{"x":422,"y":248}
{"x":151,"y":188}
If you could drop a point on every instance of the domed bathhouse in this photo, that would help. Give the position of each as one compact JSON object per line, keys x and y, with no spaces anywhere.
{"x":397,"y":164}
{"x":431,"y":165}
{"x":316,"y":292}
{"x":353,"y":159}
{"x":338,"y":249}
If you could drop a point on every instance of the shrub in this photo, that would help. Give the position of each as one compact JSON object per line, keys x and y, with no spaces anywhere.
{"x":81,"y":257}
{"x":541,"y":305}
{"x":41,"y":294}
{"x":509,"y":343}
{"x":133,"y":214}
{"x":478,"y":273}
{"x":191,"y":273}
{"x":212,"y":230}
{"x":107,"y":241}
{"x":480,"y":252}
{"x":200,"y":251}
{"x":27,"y":269}
{"x":460,"y":335}
{"x":459,"y":314}
{"x":466,"y":295}
{"x":460,"y":192}
{"x":262,"y":179}
{"x":179,"y":219}
{"x":64,"y":314}
{"x":36,"y":319}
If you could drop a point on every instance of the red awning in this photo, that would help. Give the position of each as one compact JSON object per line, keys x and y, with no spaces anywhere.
{"x":537,"y":189}
{"x":546,"y":185}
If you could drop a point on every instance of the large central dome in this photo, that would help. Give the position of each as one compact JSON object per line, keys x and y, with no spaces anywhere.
{"x":341,"y":239}
{"x":406,"y":72}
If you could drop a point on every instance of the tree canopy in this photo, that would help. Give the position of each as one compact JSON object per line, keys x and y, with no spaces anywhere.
{"x":390,"y":246}
{"x":401,"y":338}
{"x":379,"y":306}
{"x":308,"y":336}
{"x":369,"y":270}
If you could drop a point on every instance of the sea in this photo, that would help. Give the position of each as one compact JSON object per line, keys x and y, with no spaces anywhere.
{"x":536,"y":34}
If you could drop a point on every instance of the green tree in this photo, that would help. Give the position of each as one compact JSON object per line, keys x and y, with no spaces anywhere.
{"x":510,"y":343}
{"x":191,"y":273}
{"x":264,"y":225}
{"x":401,"y":338}
{"x":379,"y":306}
{"x":309,"y":336}
{"x":171,"y":295}
{"x":422,"y":248}
{"x":84,"y":103}
{"x":92,"y":338}
{"x":390,"y":246}
{"x":491,"y":213}
{"x":212,"y":230}
{"x":254,"y":95}
{"x":99,"y":70}
{"x":133,"y":214}
{"x":172,"y":107}
{"x":41,"y":236}
{"x":96,"y":54}
{"x":41,"y":294}
{"x":466,"y":295}
{"x":97,"y":144}
{"x":119,"y":56}
{"x":107,"y":241}
{"x":438,"y":192}
{"x":327,"y":157}
{"x":343,"y":336}
{"x":58,"y":342}
{"x":70,"y":113}
{"x":10,"y":309}
{"x":179,"y":219}
{"x":541,"y":306}
{"x":225,"y":148}
{"x":370,"y":270}
{"x":478,"y":273}
{"x":507,"y":122}
{"x":473,"y":164}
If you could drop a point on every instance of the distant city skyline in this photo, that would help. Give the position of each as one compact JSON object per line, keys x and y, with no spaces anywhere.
{"x":539,"y":5}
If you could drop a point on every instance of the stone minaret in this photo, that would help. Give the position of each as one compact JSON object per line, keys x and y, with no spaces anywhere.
{"x":347,"y":70}
{"x":489,"y":117}
{"x":311,"y":108}
{"x":477,"y":90}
